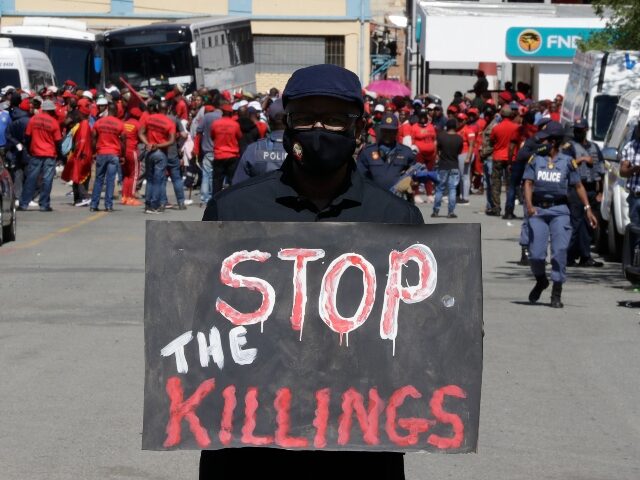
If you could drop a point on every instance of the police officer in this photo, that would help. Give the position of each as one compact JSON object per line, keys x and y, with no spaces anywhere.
{"x":267,"y":154}
{"x":387,"y":160}
{"x":591,"y":169}
{"x":547,"y":179}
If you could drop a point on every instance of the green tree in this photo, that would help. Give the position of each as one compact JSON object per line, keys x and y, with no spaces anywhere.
{"x":622,"y":30}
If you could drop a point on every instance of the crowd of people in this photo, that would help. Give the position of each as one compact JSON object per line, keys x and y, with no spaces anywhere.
{"x":205,"y":140}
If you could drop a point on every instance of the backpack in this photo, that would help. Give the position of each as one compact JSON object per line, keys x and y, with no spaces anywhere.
{"x":67,"y":142}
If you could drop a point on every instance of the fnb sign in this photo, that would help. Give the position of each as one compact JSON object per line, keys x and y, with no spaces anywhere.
{"x":544,"y":42}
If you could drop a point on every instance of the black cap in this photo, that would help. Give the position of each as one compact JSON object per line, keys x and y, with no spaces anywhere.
{"x":389,"y":122}
{"x":324,"y":80}
{"x":551,"y":129}
{"x":581,"y":123}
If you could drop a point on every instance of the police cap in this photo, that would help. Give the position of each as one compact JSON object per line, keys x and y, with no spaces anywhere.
{"x":551,"y":129}
{"x":389,"y":122}
{"x":581,"y":123}
{"x":324,"y":80}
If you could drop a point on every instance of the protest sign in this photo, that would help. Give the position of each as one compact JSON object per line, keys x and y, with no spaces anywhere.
{"x":329,"y":336}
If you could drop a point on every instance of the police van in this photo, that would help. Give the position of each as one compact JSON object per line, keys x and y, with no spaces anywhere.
{"x":596,"y":82}
{"x":614,"y":209}
{"x":24,"y":68}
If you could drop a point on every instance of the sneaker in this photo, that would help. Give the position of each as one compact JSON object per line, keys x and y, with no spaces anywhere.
{"x":109,"y":209}
{"x":435,"y":214}
{"x":152,"y":211}
{"x":462,"y":202}
{"x":509,"y":216}
{"x":452,"y":215}
{"x":168,"y":206}
{"x":47,"y":209}
{"x":83,"y":203}
{"x":188,"y":202}
{"x":417,"y":199}
{"x":182,"y":206}
{"x":431,"y":198}
{"x":92,"y":209}
{"x":33,"y":204}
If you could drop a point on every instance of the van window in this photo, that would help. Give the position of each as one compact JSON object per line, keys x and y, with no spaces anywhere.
{"x":617,"y":128}
{"x":604,"y":106}
{"x":10,"y":76}
{"x":38,"y":80}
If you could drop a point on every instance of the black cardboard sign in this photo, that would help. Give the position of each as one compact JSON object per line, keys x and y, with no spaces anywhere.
{"x":312,"y":336}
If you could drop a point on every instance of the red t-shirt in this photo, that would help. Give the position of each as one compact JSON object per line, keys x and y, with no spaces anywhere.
{"x":225,"y":133}
{"x":404,"y":131}
{"x":109,"y":130}
{"x":159,"y":128}
{"x":424,"y":137}
{"x":131,"y":128}
{"x":468,"y":134}
{"x":44,"y":131}
{"x":502,"y":136}
{"x":182,"y":112}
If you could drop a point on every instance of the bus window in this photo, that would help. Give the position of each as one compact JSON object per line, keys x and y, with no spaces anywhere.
{"x":38,"y":80}
{"x":72,"y":60}
{"x":604,"y":106}
{"x":10,"y":76}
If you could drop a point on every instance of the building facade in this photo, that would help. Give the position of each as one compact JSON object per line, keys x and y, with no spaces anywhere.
{"x":288,"y":34}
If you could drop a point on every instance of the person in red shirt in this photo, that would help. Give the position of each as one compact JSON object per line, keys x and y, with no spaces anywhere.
{"x":504,"y":138}
{"x":130,"y":168}
{"x":181,"y":109}
{"x":226,"y":135}
{"x":423,"y":137}
{"x":157,"y":132}
{"x":78,"y":166}
{"x":43,"y":138}
{"x":468,"y":133}
{"x":108,"y":142}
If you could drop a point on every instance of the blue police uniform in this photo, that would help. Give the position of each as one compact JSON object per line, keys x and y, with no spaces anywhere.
{"x":263,"y":156}
{"x":385,"y":165}
{"x":551,"y":181}
{"x":590,"y":176}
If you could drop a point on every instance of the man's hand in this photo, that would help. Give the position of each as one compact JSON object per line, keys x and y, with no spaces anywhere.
{"x":531,"y":211}
{"x":591,"y":218}
{"x":586,"y":159}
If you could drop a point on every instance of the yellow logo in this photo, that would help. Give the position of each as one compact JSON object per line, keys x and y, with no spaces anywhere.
{"x":389,"y":120}
{"x":530,"y":41}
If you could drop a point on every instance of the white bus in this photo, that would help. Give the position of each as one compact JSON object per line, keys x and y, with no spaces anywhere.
{"x":214,"y":52}
{"x":68,"y":44}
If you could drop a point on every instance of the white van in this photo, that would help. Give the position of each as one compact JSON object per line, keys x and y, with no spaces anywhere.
{"x":614,"y":209}
{"x":596,"y":82}
{"x":24,"y":68}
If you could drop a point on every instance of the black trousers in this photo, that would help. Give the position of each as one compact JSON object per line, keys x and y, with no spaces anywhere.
{"x":297,"y":465}
{"x":223,"y":169}
{"x":581,"y":235}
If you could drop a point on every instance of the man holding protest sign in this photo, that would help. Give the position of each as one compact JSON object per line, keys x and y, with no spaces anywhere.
{"x":318,"y":182}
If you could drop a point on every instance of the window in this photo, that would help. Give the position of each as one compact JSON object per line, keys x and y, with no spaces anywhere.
{"x":604,"y":106}
{"x":38,"y":80}
{"x":285,"y":54}
{"x":334,"y":51}
{"x":10,"y":76}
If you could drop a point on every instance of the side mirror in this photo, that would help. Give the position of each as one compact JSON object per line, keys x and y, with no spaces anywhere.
{"x":611,"y":154}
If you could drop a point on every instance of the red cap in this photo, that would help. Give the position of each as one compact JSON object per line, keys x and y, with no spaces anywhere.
{"x":25,"y":105}
{"x":452,"y":108}
{"x":67,"y":94}
{"x":84,"y":108}
{"x":208,"y":108}
{"x":237,"y":95}
{"x":506,"y":96}
{"x":227,"y":108}
{"x":135,"y":112}
{"x":490,"y":102}
{"x":70,"y":83}
{"x":94,"y":92}
{"x":169,"y":95}
{"x":520,"y":96}
{"x":227,"y":95}
{"x":461,"y":116}
{"x":473,"y":111}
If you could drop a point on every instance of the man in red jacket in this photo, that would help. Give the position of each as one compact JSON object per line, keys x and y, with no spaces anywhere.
{"x":108,"y":143}
{"x":504,"y":138}
{"x":226,"y":135}
{"x":43,"y":138}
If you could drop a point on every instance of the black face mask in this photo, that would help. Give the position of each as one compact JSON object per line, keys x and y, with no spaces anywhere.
{"x":579,"y":135}
{"x":318,"y":151}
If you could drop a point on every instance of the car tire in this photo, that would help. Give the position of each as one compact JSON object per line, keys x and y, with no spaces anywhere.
{"x":11,"y":230}
{"x":1,"y":227}
{"x":600,"y":240}
{"x":614,"y":239}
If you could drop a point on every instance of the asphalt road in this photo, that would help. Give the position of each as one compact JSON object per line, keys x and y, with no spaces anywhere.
{"x":560,"y":396}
